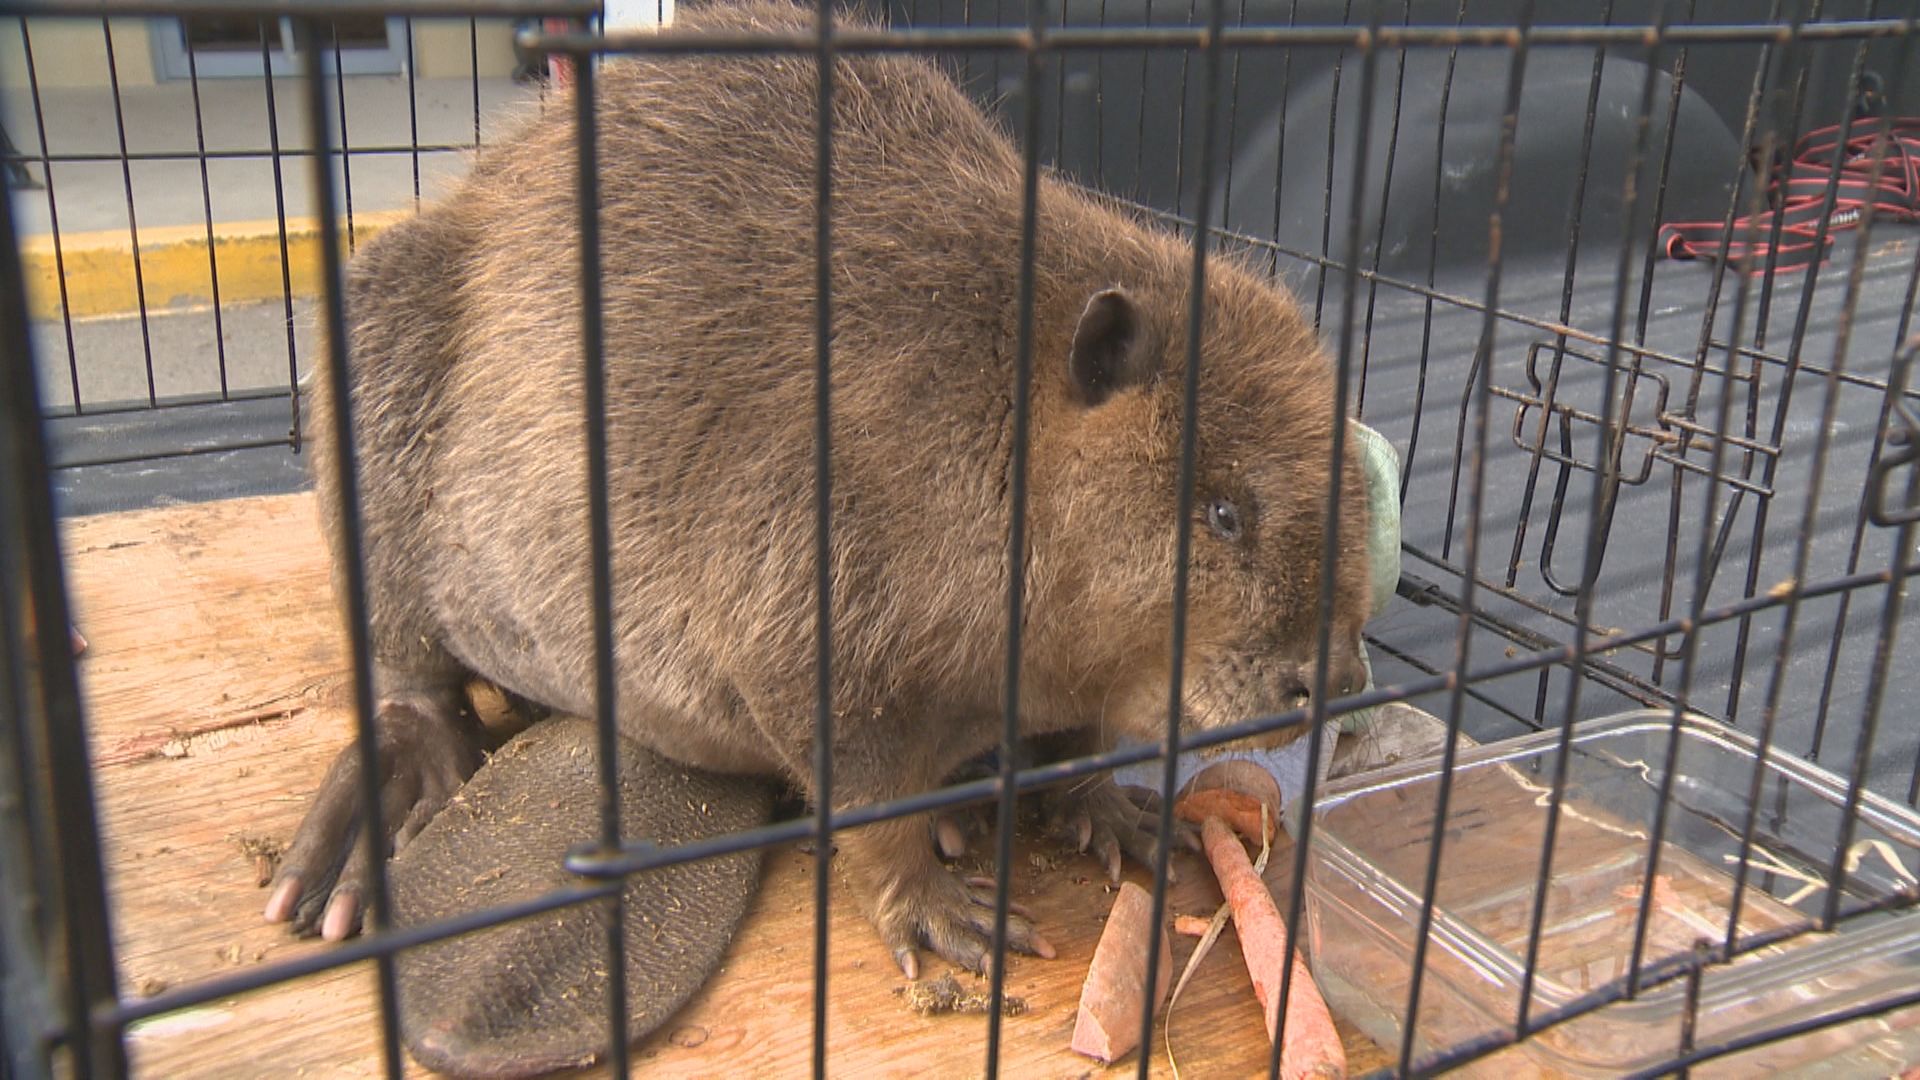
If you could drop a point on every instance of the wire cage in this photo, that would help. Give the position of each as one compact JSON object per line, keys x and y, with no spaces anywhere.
{"x":1627,"y":287}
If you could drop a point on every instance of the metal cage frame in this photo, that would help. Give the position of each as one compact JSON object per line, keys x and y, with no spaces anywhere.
{"x":62,"y":993}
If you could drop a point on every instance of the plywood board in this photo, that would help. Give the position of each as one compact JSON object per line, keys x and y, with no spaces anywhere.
{"x":214,"y":683}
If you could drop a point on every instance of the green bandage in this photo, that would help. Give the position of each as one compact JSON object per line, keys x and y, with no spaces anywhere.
{"x":1288,"y":764}
{"x":1382,"y":467}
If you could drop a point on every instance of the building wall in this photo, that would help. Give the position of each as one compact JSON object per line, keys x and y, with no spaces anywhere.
{"x":443,"y":48}
{"x":72,"y":52}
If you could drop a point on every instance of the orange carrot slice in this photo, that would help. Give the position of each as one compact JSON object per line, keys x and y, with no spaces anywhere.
{"x":1108,"y":1025}
{"x":1237,"y":809}
{"x":1312,"y":1047}
{"x":1191,"y":925}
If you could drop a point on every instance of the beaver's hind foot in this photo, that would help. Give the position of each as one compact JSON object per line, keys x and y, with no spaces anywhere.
{"x":914,"y":902}
{"x":1096,"y":814}
{"x":428,"y":746}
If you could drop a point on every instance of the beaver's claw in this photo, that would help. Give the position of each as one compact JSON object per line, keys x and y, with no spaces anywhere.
{"x":953,"y":917}
{"x":1111,"y":821}
{"x":426,"y":752}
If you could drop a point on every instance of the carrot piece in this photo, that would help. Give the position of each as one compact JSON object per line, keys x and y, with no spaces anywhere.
{"x":1191,"y":925}
{"x":1108,"y":1025}
{"x":1312,"y":1046}
{"x":1236,"y":809}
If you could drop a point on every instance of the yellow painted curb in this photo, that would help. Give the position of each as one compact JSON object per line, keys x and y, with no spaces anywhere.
{"x":174,"y":268}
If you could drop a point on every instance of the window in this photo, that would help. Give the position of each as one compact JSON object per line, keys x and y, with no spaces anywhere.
{"x":229,"y":46}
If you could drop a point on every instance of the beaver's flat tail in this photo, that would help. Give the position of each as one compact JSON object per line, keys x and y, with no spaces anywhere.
{"x":530,"y":997}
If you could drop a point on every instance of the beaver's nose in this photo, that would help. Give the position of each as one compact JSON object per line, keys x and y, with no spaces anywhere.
{"x":1347,"y":675}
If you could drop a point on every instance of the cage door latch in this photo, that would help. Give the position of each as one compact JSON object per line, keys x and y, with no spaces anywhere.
{"x":1899,"y":448}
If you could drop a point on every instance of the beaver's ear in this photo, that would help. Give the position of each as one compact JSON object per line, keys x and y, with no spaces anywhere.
{"x":1110,"y":348}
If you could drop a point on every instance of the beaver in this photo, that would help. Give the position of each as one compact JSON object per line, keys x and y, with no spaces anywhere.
{"x":466,"y":375}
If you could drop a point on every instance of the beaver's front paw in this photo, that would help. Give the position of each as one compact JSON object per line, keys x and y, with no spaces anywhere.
{"x":953,"y":917}
{"x":427,"y":750}
{"x":1100,"y":815}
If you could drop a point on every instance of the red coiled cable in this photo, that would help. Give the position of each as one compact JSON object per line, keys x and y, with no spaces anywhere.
{"x":1798,"y":193}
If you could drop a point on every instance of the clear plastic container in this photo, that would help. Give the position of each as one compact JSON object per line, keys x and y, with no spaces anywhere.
{"x":1368,"y":871}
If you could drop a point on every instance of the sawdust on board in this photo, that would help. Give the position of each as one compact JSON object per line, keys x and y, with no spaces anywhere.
{"x":931,"y":997}
{"x":265,"y":851}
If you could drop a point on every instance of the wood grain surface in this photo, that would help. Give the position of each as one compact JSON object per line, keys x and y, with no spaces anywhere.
{"x":215,"y":685}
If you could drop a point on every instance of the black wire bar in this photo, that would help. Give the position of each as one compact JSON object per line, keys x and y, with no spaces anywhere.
{"x":600,"y":537}
{"x":1386,"y":201}
{"x":1689,"y":643}
{"x":1329,"y":547}
{"x":823,"y":526}
{"x":1550,"y":393}
{"x":53,"y":212}
{"x":241,"y":154}
{"x":79,"y":907}
{"x":1280,"y":134}
{"x":1895,"y":593}
{"x":1801,"y":323}
{"x":1326,"y":193}
{"x":1607,"y":451}
{"x":1017,"y":535}
{"x":1113,"y":38}
{"x":413,"y":112}
{"x":1858,"y":541}
{"x":315,"y":11}
{"x":133,"y":219}
{"x":280,"y":224}
{"x":345,"y":150}
{"x":1480,"y":390}
{"x":1802,"y":557}
{"x":1609,"y":492}
{"x":1433,"y":261}
{"x":1638,"y":350}
{"x":352,"y":550}
{"x":1183,"y":531}
{"x":639,"y":855}
{"x":1770,"y":144}
{"x":169,"y":454}
{"x":206,"y":206}
{"x":1877,"y":679}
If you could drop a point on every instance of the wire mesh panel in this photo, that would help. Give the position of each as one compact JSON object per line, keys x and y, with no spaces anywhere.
{"x":1618,"y":779}
{"x":166,"y":217}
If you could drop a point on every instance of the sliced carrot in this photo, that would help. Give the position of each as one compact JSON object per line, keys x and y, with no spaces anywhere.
{"x":1108,"y":1025}
{"x":1312,"y":1047}
{"x":1191,"y":925}
{"x":1237,"y":809}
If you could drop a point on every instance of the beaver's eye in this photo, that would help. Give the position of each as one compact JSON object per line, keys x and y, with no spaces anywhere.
{"x":1224,"y":518}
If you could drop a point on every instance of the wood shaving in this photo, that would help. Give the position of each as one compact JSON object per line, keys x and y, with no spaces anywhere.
{"x":932,"y":997}
{"x":265,"y":851}
{"x":1209,"y":936}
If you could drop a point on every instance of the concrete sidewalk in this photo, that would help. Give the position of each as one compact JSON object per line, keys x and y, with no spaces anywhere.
{"x":172,"y":205}
{"x":120,"y":362}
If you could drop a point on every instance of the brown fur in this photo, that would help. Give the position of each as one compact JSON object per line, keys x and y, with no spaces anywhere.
{"x":467,"y":380}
